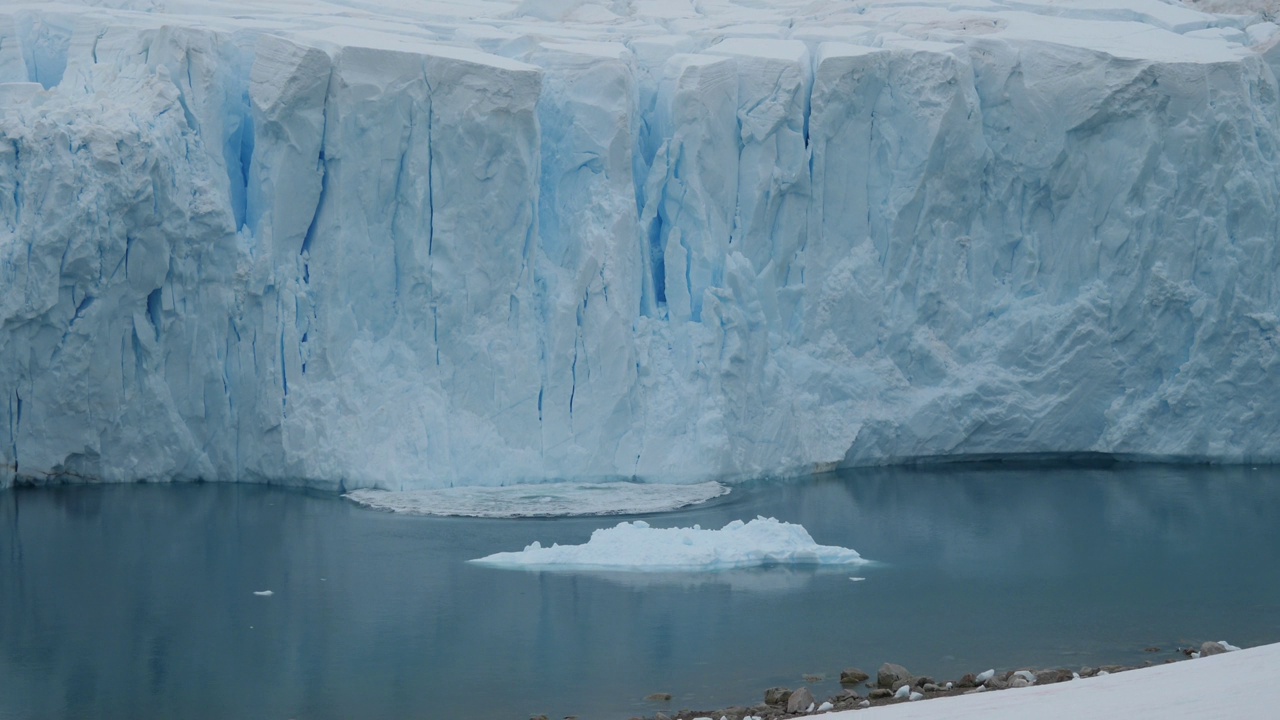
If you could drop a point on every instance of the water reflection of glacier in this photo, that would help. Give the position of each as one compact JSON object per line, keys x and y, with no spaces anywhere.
{"x":772,"y":579}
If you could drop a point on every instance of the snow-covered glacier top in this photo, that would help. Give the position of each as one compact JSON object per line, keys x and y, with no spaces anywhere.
{"x":415,"y":245}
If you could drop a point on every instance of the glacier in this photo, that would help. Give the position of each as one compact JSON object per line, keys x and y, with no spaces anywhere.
{"x":410,"y":246}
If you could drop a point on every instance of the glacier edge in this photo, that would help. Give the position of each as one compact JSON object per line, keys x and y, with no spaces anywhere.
{"x":500,"y":249}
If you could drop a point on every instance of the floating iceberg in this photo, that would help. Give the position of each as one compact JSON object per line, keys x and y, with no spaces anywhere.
{"x":541,"y":500}
{"x":635,"y":546}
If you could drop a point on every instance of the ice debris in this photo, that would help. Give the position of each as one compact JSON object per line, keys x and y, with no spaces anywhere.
{"x":636,"y":546}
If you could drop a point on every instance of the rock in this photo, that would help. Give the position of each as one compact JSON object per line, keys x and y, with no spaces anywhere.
{"x":1027,"y":675}
{"x":1211,"y":648}
{"x":923,"y":680}
{"x":880,"y":693}
{"x":658,"y":697}
{"x":847,"y":694}
{"x":776,"y":696}
{"x":814,"y":679}
{"x":890,"y":674}
{"x":930,"y":687}
{"x":968,"y":681}
{"x":1088,"y":672}
{"x":852,"y":676}
{"x":800,"y":701}
{"x":661,"y":716}
{"x":1048,"y":677}
{"x":1151,"y":649}
{"x":996,"y":683}
{"x":538,"y":717}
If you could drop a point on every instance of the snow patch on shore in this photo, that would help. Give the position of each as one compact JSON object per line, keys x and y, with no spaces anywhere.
{"x":546,"y":500}
{"x":638,"y":547}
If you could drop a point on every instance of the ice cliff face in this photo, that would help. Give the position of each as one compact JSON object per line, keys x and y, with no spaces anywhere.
{"x":480,"y":243}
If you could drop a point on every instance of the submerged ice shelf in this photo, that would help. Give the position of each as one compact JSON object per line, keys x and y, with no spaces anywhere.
{"x":541,"y":500}
{"x":419,"y":245}
{"x":637,"y":547}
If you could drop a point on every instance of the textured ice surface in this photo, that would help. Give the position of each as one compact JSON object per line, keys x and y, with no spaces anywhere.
{"x":541,"y":500}
{"x":635,"y":546}
{"x":420,"y":245}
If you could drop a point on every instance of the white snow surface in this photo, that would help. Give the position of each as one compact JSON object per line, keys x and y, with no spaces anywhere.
{"x":415,"y":245}
{"x":637,"y":547}
{"x":1232,"y":685}
{"x":541,"y":500}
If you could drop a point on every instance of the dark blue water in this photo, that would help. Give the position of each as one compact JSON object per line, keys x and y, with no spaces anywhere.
{"x":137,"y":601}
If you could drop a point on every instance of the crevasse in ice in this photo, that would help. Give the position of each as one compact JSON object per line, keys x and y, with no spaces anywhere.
{"x":416,"y":245}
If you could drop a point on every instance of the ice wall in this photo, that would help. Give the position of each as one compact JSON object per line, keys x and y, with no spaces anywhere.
{"x":377,"y":246}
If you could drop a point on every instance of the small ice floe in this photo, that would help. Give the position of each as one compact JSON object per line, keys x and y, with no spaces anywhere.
{"x":915,"y":696}
{"x":541,"y":499}
{"x":1027,"y":675}
{"x":637,"y":547}
{"x":263,"y":593}
{"x":904,"y":691}
{"x":985,"y":675}
{"x":949,"y":685}
{"x":825,"y":707}
{"x":1101,"y":673}
{"x":1227,"y":646}
{"x":857,"y":579}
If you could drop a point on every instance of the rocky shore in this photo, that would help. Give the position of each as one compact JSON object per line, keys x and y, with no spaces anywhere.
{"x":893,"y":683}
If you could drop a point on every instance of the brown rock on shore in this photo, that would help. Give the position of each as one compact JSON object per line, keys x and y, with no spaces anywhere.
{"x":890,"y":674}
{"x":852,"y":676}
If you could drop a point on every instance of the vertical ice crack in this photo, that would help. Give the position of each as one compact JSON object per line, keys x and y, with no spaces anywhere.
{"x":322,"y":166}
{"x":15,"y":426}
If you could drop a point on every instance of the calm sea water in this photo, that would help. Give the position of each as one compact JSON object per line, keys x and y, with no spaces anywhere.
{"x":138,"y":601}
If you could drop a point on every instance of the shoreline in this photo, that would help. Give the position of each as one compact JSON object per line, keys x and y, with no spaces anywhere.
{"x":892,"y":685}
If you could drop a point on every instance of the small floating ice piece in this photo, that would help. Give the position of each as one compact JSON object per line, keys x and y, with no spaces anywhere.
{"x":541,"y":500}
{"x":263,"y":593}
{"x":915,"y":696}
{"x":1027,"y":675}
{"x":857,"y":579}
{"x":825,"y":707}
{"x":985,"y":675}
{"x":904,"y":691}
{"x":1227,"y":646}
{"x":635,"y":546}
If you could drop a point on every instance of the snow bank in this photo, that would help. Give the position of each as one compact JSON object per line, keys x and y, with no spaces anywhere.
{"x":1232,"y":685}
{"x":636,"y":546}
{"x":541,"y":500}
